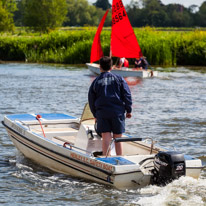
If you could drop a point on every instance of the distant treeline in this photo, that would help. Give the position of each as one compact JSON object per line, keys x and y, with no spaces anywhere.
{"x":169,"y":48}
{"x":46,"y":15}
{"x":155,"y":13}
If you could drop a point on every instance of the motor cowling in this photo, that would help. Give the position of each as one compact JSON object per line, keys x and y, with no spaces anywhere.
{"x":168,"y":166}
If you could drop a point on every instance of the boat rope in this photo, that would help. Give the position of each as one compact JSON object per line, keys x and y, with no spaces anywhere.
{"x":38,"y":116}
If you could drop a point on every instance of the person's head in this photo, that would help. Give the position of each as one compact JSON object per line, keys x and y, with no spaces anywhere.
{"x":106,"y":63}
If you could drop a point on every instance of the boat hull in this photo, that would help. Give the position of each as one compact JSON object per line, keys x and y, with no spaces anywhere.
{"x":54,"y":161}
{"x":124,"y":72}
{"x":71,"y":162}
{"x":122,"y":172}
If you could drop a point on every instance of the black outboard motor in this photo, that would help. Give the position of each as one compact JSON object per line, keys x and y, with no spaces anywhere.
{"x":167,"y":167}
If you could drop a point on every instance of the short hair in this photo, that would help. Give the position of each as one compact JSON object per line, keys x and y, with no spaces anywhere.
{"x":106,"y":63}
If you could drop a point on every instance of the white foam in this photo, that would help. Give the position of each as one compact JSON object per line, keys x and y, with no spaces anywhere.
{"x":184,"y":191}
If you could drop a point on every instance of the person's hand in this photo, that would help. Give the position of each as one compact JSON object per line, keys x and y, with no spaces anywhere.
{"x":128,"y":115}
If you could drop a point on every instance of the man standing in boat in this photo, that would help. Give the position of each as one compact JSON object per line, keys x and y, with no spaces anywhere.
{"x":109,"y":98}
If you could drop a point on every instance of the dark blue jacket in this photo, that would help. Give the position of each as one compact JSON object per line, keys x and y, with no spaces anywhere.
{"x":109,"y":96}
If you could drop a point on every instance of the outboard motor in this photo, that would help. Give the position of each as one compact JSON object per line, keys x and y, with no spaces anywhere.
{"x":168,"y":166}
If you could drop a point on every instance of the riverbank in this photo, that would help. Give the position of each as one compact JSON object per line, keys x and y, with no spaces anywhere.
{"x":164,"y":48}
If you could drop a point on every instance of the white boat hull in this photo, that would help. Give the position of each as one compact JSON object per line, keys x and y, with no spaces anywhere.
{"x":124,"y":72}
{"x":76,"y":158}
{"x":54,"y":161}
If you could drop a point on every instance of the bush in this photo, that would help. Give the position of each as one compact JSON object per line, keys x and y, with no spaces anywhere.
{"x":73,"y":47}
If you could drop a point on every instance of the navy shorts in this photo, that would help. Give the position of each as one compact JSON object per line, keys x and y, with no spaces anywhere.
{"x":115,"y":125}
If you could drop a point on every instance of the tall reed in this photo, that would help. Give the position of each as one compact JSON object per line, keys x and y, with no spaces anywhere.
{"x":74,"y":46}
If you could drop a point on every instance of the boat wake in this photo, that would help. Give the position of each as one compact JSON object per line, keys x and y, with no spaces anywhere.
{"x":184,"y":191}
{"x":43,"y":178}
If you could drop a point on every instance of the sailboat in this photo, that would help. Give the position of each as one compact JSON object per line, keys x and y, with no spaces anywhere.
{"x":123,"y":43}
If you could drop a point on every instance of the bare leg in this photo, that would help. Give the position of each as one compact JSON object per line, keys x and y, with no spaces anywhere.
{"x":118,"y":146}
{"x":106,"y":139}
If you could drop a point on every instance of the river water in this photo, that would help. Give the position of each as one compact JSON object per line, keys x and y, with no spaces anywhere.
{"x":170,"y":108}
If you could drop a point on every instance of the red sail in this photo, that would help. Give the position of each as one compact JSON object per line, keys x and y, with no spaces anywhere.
{"x":96,"y":51}
{"x":123,"y":39}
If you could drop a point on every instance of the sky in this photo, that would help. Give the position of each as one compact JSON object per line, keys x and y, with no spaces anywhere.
{"x":185,"y":3}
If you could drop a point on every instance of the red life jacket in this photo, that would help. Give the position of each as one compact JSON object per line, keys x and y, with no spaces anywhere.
{"x":126,"y":63}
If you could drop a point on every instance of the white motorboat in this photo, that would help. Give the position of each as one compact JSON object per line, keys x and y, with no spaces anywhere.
{"x":124,"y":71}
{"x":71,"y":146}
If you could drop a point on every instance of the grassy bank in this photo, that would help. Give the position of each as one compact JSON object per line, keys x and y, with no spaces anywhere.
{"x":73,"y":46}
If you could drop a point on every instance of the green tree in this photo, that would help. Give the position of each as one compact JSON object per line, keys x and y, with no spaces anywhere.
{"x":18,"y":14}
{"x":202,"y":14}
{"x":81,"y":13}
{"x":44,"y":15}
{"x":103,"y":4}
{"x":179,"y":15}
{"x":9,"y":5}
{"x":152,"y":4}
{"x":6,"y":18}
{"x":136,"y":14}
{"x":154,"y":13}
{"x":193,"y":8}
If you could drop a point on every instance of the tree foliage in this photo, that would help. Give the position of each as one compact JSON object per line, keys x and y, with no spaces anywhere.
{"x":103,"y":4}
{"x":9,"y":5}
{"x":202,"y":14}
{"x":6,"y":15}
{"x":44,"y":15}
{"x":155,"y":13}
{"x":81,"y":13}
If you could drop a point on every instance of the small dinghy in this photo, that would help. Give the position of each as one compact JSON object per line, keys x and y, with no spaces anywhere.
{"x":124,"y":71}
{"x":71,"y":146}
{"x":123,"y":44}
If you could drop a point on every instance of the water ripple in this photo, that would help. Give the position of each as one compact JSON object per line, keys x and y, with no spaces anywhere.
{"x":170,"y":109}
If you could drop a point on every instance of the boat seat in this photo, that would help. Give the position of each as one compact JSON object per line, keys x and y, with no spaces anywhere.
{"x":69,"y":139}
